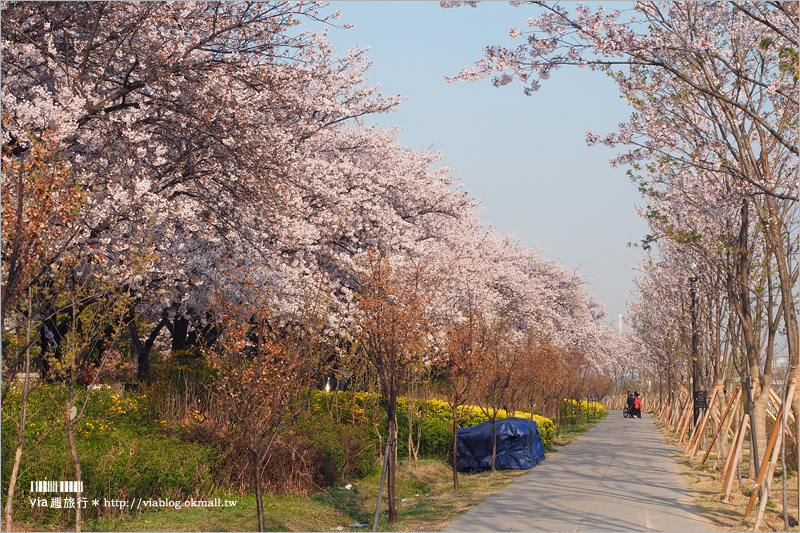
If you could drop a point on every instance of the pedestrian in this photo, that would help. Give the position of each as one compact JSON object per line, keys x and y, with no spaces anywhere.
{"x":637,"y":404}
{"x":630,"y":404}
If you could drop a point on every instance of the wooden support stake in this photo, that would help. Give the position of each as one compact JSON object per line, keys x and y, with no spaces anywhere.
{"x":674,"y":406}
{"x":727,"y":430}
{"x":733,"y":458}
{"x":722,"y":420}
{"x":692,"y":437}
{"x":688,"y":414}
{"x":662,"y":408}
{"x":670,"y":410}
{"x":697,"y":436}
{"x":726,"y":466}
{"x":679,"y":415}
{"x":770,"y":455}
{"x":771,"y":466}
{"x":777,"y":401}
{"x":676,"y":412}
{"x":763,"y":504}
{"x":773,"y":417}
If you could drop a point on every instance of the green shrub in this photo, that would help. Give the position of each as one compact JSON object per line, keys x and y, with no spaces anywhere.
{"x":349,"y":450}
{"x":438,"y":410}
{"x":179,"y":387}
{"x":441,"y":411}
{"x":474,"y":416}
{"x":437,"y":439}
{"x":434,"y":440}
{"x":122,"y":454}
{"x":348,"y":407}
{"x":438,"y":421}
{"x":150,"y":468}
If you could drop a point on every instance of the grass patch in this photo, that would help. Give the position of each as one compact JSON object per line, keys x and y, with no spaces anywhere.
{"x":426,"y":500}
{"x":282,"y":513}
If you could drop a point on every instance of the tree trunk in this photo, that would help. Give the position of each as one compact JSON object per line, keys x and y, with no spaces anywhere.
{"x":410,"y":428}
{"x":143,"y":350}
{"x":494,"y":441}
{"x":418,"y":445}
{"x":386,"y":455}
{"x":558,"y":418}
{"x":180,"y":330}
{"x":572,"y":406}
{"x":455,"y":448}
{"x":73,"y":450}
{"x":72,"y":422}
{"x":12,"y":484}
{"x":78,"y":475}
{"x":773,"y":235}
{"x":759,"y":424}
{"x":256,"y":457}
{"x":391,"y":413}
{"x":740,"y":299}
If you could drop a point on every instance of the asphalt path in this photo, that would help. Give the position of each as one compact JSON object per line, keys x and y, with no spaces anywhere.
{"x":620,"y":476}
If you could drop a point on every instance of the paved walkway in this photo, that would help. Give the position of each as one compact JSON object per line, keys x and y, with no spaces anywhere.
{"x":600,"y":482}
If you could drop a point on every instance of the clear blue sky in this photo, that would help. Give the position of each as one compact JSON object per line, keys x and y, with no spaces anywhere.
{"x":525,"y":157}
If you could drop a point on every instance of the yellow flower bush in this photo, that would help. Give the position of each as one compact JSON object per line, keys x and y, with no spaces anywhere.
{"x":570,"y":406}
{"x":357,"y":408}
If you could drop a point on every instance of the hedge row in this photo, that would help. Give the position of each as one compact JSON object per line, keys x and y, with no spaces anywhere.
{"x":437,"y":416}
{"x":570,"y":409}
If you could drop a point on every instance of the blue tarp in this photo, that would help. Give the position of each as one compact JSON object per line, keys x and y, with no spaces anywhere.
{"x":519,"y":446}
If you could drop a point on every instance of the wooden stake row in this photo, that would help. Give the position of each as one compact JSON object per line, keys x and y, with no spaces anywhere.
{"x":697,"y":437}
{"x":678,"y":414}
{"x":734,"y":399}
{"x":773,"y":451}
{"x":733,"y":457}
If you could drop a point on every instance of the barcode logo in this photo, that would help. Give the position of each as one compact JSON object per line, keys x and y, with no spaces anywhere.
{"x":56,"y":486}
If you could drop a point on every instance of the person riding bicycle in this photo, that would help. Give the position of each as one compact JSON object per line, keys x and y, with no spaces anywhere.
{"x":630,"y":404}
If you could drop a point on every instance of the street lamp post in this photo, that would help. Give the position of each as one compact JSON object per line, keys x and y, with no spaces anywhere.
{"x":697,"y":393}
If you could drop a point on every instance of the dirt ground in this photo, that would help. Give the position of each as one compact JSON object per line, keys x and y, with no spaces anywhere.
{"x":706,"y":488}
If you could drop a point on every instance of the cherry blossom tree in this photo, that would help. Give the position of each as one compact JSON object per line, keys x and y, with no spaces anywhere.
{"x":185,"y":119}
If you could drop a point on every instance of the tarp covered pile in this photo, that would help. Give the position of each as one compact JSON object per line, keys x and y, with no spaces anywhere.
{"x":518,"y":446}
